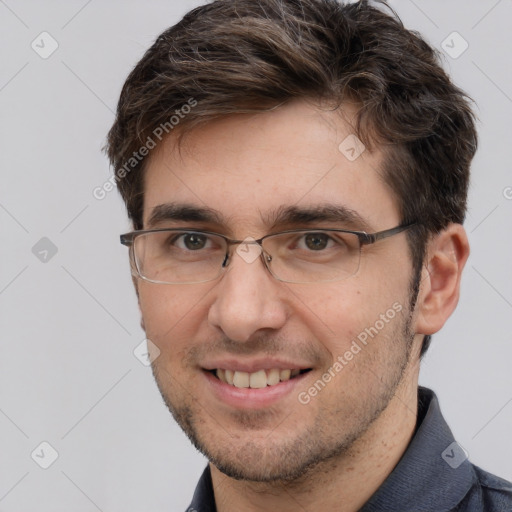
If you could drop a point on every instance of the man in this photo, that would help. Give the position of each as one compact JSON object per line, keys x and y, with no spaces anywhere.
{"x":296,"y":172}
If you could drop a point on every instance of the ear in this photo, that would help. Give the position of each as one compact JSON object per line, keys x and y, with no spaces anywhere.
{"x":446,"y":255}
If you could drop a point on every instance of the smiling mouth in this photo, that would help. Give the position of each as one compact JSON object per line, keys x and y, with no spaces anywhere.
{"x":256,"y":380}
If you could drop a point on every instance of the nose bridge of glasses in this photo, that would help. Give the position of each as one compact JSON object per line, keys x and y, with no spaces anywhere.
{"x":246,"y":240}
{"x":249,"y":249}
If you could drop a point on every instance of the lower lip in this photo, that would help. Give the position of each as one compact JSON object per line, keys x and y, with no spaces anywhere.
{"x":248,"y":398}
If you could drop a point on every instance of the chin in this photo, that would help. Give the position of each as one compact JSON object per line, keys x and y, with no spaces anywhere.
{"x":251,"y":464}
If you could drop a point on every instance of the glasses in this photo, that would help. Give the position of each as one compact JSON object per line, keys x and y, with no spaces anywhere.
{"x":190,"y":256}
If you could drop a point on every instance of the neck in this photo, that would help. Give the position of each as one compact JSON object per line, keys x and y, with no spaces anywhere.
{"x":344,"y":483}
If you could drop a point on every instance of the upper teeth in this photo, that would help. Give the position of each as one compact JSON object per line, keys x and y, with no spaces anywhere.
{"x":259,"y":379}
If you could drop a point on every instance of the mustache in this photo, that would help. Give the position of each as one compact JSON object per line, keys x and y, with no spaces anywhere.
{"x":258,"y":345}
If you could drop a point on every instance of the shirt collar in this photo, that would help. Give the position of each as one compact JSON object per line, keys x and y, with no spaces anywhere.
{"x":203,"y":500}
{"x":429,"y":476}
{"x":433,"y":473}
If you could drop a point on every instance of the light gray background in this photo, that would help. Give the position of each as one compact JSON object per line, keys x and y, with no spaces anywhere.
{"x":69,"y":326}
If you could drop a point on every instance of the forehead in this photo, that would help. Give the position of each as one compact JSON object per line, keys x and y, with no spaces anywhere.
{"x":246,"y":168}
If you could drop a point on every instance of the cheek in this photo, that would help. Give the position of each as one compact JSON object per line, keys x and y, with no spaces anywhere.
{"x":345,"y":312}
{"x":335,"y":314}
{"x":170,"y":313}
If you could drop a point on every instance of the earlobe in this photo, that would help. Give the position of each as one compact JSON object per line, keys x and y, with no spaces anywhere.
{"x":447,"y":253}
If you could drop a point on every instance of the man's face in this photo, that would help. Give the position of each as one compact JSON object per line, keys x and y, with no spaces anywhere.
{"x":245,"y":168}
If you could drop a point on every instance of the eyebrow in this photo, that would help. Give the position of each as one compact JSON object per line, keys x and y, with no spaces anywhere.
{"x":284,"y":216}
{"x":342,"y":215}
{"x":183,"y":212}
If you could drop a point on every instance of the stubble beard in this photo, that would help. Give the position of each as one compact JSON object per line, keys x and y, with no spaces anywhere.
{"x":275,"y":458}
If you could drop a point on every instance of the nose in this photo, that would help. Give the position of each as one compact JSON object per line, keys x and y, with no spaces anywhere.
{"x":247,"y":299}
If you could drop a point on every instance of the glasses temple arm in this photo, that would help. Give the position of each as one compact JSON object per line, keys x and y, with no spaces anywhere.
{"x":370,"y":238}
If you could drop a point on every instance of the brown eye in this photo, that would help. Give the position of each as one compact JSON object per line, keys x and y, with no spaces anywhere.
{"x":194,"y":241}
{"x":316,"y":241}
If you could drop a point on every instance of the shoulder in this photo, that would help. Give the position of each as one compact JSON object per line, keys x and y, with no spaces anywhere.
{"x":495,"y":488}
{"x":490,"y":493}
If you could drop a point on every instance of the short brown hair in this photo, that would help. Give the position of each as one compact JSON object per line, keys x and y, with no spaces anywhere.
{"x":238,"y":56}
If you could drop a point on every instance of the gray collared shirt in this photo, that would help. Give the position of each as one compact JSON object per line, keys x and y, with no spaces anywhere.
{"x":433,"y":475}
